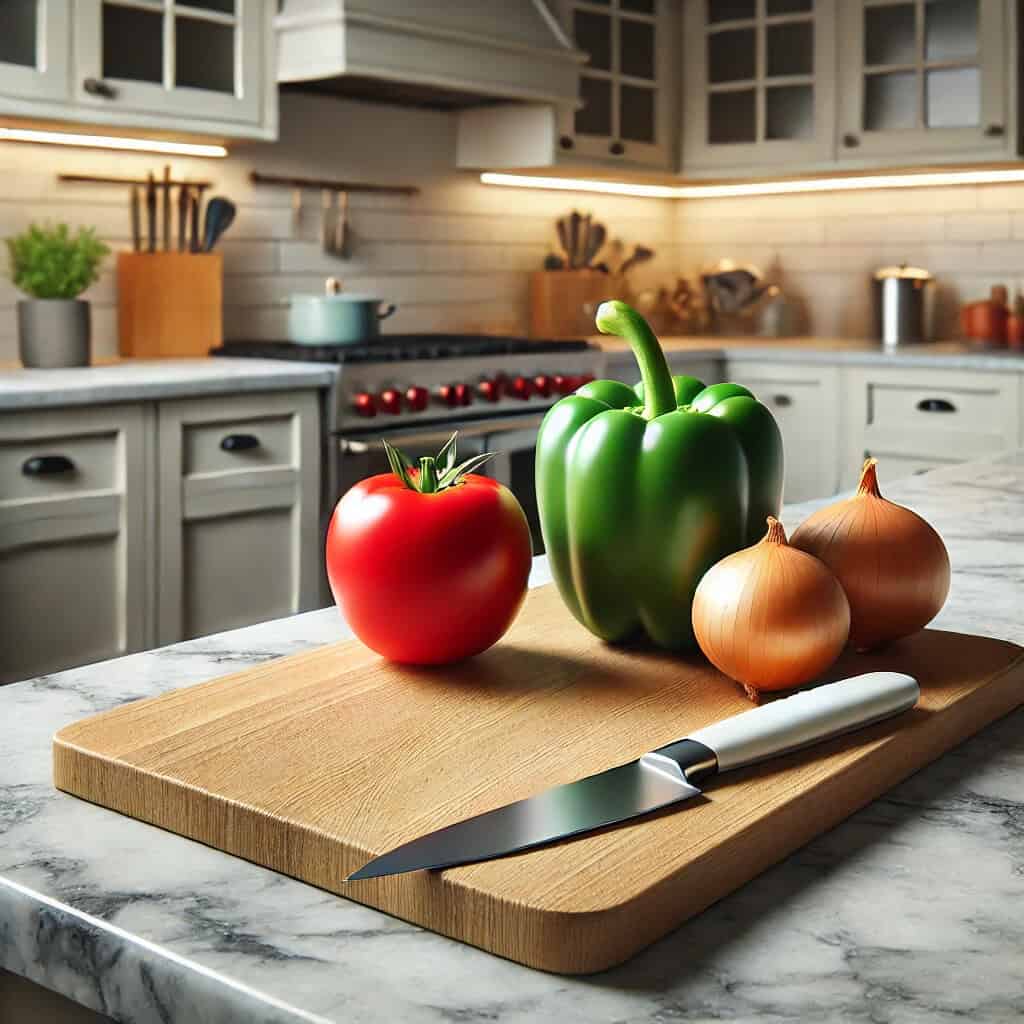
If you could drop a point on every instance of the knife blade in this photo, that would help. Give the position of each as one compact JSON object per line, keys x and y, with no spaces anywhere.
{"x":660,"y":778}
{"x":183,"y":208}
{"x":166,"y":208}
{"x":150,"y":213}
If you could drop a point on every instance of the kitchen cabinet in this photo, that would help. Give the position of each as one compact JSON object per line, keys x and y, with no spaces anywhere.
{"x":239,"y":511}
{"x":916,"y":419}
{"x":924,"y":79}
{"x":75,"y":504}
{"x":205,"y":66}
{"x":805,"y":403}
{"x":628,"y":98}
{"x":34,"y":50}
{"x":622,"y":366}
{"x":760,"y":84}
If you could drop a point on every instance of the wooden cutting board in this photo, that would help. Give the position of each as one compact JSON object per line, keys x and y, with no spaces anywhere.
{"x":312,"y":764}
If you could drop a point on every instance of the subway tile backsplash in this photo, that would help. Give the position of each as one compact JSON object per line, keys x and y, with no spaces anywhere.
{"x":458,"y":255}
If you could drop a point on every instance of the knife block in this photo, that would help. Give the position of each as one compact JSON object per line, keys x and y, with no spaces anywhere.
{"x":169,"y":303}
{"x":561,"y":301}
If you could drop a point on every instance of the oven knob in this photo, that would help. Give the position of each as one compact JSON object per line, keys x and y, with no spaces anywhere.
{"x":566,"y":385}
{"x":542,"y":385}
{"x":521,"y":388}
{"x":463,"y":394}
{"x":417,"y":398}
{"x":490,"y":390}
{"x":446,"y":395}
{"x":363,"y":404}
{"x":585,"y":378}
{"x":391,"y":401}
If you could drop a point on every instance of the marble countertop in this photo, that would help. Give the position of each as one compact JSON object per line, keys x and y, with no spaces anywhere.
{"x":908,"y":912}
{"x":140,"y":380}
{"x":832,"y":351}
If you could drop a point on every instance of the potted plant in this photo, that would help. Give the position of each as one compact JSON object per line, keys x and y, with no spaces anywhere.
{"x":54,"y":267}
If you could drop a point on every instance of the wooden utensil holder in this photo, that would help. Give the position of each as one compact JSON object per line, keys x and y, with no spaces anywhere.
{"x":169,"y":303}
{"x":558,"y":298}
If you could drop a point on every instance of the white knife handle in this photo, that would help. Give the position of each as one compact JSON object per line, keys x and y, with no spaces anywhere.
{"x":807,"y":717}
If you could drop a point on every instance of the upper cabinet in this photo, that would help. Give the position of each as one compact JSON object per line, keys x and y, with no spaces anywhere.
{"x":923,"y":79}
{"x":199,"y":66}
{"x":34,"y":49}
{"x":760,"y":83}
{"x":627,"y":112}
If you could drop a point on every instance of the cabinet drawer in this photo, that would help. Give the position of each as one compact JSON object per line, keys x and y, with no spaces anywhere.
{"x":960,"y":408}
{"x":245,"y":442}
{"x":896,"y":467}
{"x":57,"y":455}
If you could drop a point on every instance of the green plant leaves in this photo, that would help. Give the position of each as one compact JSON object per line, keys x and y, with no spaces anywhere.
{"x":49,"y":262}
{"x":441,"y":470}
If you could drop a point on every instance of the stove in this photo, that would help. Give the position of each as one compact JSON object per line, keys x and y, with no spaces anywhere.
{"x":405,"y":380}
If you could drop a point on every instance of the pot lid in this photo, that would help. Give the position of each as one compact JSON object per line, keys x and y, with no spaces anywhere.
{"x":903,"y":272}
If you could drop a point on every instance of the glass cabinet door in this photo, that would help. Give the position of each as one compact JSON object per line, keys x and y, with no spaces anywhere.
{"x":759,"y":83}
{"x":624,"y":87}
{"x":34,"y":47}
{"x":923,"y":76}
{"x":194,"y":57}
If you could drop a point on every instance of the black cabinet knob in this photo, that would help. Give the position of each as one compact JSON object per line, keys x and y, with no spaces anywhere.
{"x":936,"y":405}
{"x":566,"y":142}
{"x":616,"y":149}
{"x":240,"y":442}
{"x":851,"y":141}
{"x":782,"y":401}
{"x":97,"y":87}
{"x":994,"y":130}
{"x":47,"y":465}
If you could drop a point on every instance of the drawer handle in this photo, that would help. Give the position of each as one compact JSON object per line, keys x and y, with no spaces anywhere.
{"x":936,"y":405}
{"x":47,"y":465}
{"x":782,"y":401}
{"x":240,"y":442}
{"x":97,"y":87}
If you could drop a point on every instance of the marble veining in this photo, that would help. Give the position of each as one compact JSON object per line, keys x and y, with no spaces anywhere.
{"x":146,"y":380}
{"x":908,"y":912}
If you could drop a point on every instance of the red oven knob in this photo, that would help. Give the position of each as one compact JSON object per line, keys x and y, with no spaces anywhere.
{"x":391,"y":401}
{"x":363,"y":404}
{"x":542,"y":385}
{"x":584,"y":378}
{"x":417,"y":398}
{"x":446,"y":395}
{"x":566,"y":385}
{"x":521,"y":388}
{"x":463,"y":394}
{"x":490,"y":390}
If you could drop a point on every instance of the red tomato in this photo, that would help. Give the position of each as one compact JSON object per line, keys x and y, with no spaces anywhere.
{"x":428,"y":578}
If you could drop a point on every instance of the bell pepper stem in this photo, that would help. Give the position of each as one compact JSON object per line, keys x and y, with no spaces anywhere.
{"x":618,"y":318}
{"x":428,"y":475}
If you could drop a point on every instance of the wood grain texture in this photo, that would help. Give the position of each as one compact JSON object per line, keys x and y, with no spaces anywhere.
{"x":312,"y":764}
{"x":169,"y":303}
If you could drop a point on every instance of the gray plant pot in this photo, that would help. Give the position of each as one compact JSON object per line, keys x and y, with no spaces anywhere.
{"x":54,"y":332}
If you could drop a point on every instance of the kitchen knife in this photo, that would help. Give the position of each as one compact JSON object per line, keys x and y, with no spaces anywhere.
{"x":193,"y":221}
{"x":166,"y":205}
{"x":660,"y":778}
{"x":595,"y":239}
{"x":575,"y":220}
{"x":183,"y":208}
{"x":150,"y":213}
{"x":136,"y":219}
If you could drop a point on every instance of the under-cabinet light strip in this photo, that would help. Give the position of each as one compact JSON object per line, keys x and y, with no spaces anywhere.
{"x":111,"y":142}
{"x":923,"y":179}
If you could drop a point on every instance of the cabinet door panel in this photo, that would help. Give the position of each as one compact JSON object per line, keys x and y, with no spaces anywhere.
{"x":34,"y":50}
{"x":239,"y":535}
{"x":73,"y":573}
{"x":925,"y":79}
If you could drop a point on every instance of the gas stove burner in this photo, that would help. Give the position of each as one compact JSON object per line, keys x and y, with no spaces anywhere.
{"x":399,"y":347}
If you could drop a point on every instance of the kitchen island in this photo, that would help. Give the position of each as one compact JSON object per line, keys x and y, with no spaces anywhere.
{"x":907,"y":912}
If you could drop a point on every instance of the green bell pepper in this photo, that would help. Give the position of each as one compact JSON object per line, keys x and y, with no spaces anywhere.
{"x":641,"y":491}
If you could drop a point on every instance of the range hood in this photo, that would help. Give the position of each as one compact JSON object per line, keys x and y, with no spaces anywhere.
{"x":450,"y":54}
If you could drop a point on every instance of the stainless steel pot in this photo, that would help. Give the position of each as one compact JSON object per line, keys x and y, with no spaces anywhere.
{"x":904,"y":305}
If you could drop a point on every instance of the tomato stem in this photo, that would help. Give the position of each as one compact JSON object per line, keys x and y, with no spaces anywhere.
{"x":428,"y":475}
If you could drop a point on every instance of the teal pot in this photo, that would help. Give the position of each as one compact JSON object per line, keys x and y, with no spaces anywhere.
{"x":341,"y":319}
{"x":54,"y":332}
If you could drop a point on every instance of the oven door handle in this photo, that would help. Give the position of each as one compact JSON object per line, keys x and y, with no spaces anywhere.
{"x":481,"y":428}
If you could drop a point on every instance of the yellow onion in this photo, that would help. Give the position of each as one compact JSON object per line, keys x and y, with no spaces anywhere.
{"x":891,"y":563}
{"x":770,"y":616}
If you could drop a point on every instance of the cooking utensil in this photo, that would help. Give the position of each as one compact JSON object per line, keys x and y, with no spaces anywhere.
{"x":296,"y":210}
{"x":335,"y":317}
{"x":660,"y":778}
{"x":183,"y":208}
{"x":904,"y":305}
{"x":136,"y":208}
{"x":166,"y":208}
{"x":595,"y":240}
{"x":584,"y":239}
{"x":575,"y":222}
{"x":731,"y":288}
{"x":150,"y":213}
{"x":341,"y":226}
{"x":326,"y":236}
{"x":220,"y":214}
{"x":562,"y":226}
{"x":193,"y":221}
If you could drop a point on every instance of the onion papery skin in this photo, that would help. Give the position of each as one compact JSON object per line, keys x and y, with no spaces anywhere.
{"x":769,"y":616}
{"x":891,"y":563}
